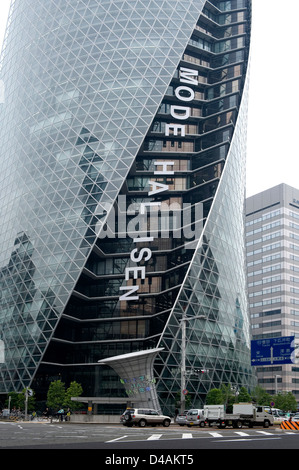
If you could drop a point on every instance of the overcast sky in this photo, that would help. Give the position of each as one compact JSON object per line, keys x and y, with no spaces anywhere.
{"x":272,"y":154}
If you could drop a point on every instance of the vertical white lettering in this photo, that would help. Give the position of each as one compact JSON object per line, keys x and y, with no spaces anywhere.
{"x":181,"y":113}
{"x":176,"y":128}
{"x":130,"y":290}
{"x":157,"y":187}
{"x":164,"y":166}
{"x":187,"y":74}
{"x":184,"y":112}
{"x":143,"y":251}
{"x":135,"y":271}
{"x":178,"y":90}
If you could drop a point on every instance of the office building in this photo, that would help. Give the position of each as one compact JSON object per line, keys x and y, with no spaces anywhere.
{"x":272,"y":241}
{"x":122,"y":177}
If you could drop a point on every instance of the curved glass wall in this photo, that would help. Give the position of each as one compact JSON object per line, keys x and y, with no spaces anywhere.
{"x":113,"y":111}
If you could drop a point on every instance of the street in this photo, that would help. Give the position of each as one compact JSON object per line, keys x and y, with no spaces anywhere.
{"x":44,"y":435}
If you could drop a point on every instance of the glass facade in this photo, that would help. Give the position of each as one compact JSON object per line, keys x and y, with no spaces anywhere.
{"x":124,"y":126}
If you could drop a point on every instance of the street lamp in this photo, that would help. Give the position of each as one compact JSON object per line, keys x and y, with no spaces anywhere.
{"x":183,"y":354}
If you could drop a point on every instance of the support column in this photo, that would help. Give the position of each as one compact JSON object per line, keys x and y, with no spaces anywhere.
{"x":136,"y":372}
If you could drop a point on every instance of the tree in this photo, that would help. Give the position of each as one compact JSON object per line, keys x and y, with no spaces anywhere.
{"x":17,"y":400}
{"x":244,"y":396}
{"x":285,"y":401}
{"x":31,"y":401}
{"x":74,"y":390}
{"x":229,"y":397}
{"x":14,"y":400}
{"x":214,"y":397}
{"x":187,"y":400}
{"x":56,"y":395}
{"x":261,"y":397}
{"x":226,"y":395}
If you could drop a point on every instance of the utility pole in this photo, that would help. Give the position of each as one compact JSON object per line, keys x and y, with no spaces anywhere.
{"x":26,"y":404}
{"x":28,"y":393}
{"x":183,"y":364}
{"x":276,"y":377}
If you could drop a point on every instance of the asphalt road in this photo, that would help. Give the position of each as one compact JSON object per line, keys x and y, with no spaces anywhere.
{"x":155,"y":440}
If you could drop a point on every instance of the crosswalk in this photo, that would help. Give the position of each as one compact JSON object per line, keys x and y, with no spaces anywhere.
{"x":220,"y":435}
{"x":190,"y":435}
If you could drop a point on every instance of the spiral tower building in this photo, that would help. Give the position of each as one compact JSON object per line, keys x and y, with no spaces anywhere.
{"x":123,"y":146}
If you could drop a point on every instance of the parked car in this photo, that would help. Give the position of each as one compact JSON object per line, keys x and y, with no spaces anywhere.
{"x":278,"y":415}
{"x":144,"y":416}
{"x":195,"y":417}
{"x":181,"y":418}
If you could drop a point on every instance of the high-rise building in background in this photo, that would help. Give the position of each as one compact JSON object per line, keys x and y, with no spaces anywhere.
{"x":272,"y":241}
{"x":123,"y":144}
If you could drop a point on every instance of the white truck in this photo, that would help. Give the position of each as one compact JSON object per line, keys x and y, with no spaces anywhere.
{"x":244,"y":414}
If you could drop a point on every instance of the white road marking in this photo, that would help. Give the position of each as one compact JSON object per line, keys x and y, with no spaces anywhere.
{"x":215,"y":434}
{"x":117,"y":439}
{"x":252,"y":439}
{"x":265,"y":432}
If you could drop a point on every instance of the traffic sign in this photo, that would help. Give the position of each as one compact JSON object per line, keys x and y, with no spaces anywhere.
{"x":272,"y":351}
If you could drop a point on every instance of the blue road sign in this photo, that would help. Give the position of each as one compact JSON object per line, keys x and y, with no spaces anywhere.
{"x":273,"y":351}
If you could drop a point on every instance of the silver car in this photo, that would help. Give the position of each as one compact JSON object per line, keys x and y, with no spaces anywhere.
{"x":195,"y":417}
{"x":144,"y":416}
{"x":181,"y":418}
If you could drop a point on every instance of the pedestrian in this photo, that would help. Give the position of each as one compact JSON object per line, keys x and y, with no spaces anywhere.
{"x":61,"y":414}
{"x":68,"y":415}
{"x":46,"y":413}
